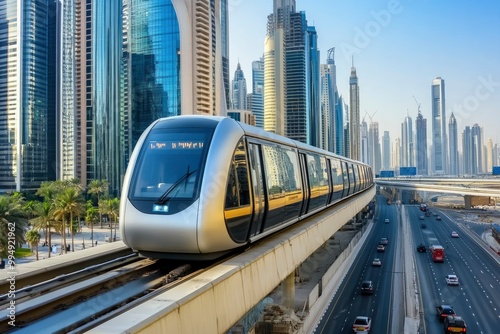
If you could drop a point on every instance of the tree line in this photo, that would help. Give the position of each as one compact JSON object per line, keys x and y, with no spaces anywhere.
{"x":59,"y":207}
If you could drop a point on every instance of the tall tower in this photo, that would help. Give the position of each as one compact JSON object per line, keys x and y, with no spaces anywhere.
{"x":421,"y":145}
{"x":274,"y":67}
{"x":365,"y":151}
{"x":354,"y":116}
{"x":291,"y":75}
{"x":257,"y":106}
{"x":374,"y":146}
{"x":224,"y":47}
{"x":477,"y":149}
{"x":313,"y":90}
{"x":340,"y":139}
{"x":407,"y":159}
{"x":28,"y":86}
{"x":396,"y":154}
{"x":239,"y":90}
{"x":489,"y":156}
{"x":467,"y":151}
{"x":439,"y":139}
{"x":328,"y":102}
{"x":386,"y":151}
{"x":453,"y":131}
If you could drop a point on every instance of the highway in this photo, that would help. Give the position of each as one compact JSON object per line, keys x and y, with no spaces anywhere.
{"x":475,"y":299}
{"x":349,"y":302}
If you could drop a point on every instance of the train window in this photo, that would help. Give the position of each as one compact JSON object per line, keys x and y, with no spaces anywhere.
{"x":357,"y":181}
{"x":337,"y":179}
{"x":345,"y":176}
{"x":318,"y":180}
{"x":238,"y":191}
{"x":352,"y":180}
{"x":170,"y":161}
{"x":284,"y":184}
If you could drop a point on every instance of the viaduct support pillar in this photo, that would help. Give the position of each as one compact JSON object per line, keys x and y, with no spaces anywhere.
{"x":471,"y":201}
{"x":288,"y":287}
{"x":467,"y":202}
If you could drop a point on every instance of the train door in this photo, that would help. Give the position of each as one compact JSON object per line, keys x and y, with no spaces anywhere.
{"x":337,"y":180}
{"x":238,"y":203}
{"x":345,"y":176}
{"x":357,"y":181}
{"x":330,"y":181}
{"x":352,"y":180}
{"x":305,"y":184}
{"x":258,"y":190}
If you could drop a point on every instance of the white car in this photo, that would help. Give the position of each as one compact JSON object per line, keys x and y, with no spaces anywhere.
{"x":376,"y":262}
{"x":386,"y":221}
{"x":454,"y":234}
{"x":452,"y":280}
{"x":362,"y":324}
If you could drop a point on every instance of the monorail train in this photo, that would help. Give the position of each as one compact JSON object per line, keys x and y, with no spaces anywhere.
{"x":199,"y":186}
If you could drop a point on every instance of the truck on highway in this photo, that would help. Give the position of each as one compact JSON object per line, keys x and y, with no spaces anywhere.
{"x":437,"y":253}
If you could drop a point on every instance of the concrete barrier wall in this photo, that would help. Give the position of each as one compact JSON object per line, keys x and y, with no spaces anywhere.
{"x":218,"y":298}
{"x":337,"y":271}
{"x":411,"y":322}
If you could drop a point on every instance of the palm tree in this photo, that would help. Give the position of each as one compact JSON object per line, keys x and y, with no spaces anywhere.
{"x":29,"y":208}
{"x":33,"y":237}
{"x":98,"y":187}
{"x":114,"y":210}
{"x":44,"y":220}
{"x":105,"y":209}
{"x":12,"y":220}
{"x":70,"y":201}
{"x":46,"y":190}
{"x":91,"y":217}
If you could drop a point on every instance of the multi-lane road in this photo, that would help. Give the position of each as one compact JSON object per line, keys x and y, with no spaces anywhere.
{"x":476,"y":299}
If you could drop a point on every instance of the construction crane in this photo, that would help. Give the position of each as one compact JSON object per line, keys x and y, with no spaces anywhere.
{"x":418,"y":104}
{"x":370,"y":116}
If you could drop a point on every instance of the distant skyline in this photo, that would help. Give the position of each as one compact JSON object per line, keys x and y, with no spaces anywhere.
{"x":399,"y":47}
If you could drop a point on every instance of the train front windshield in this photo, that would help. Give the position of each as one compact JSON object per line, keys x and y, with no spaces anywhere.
{"x":169,"y":168}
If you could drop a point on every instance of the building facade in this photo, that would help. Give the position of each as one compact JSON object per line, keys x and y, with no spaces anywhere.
{"x":439,"y":138}
{"x":421,"y":145}
{"x":28,"y":71}
{"x":386,"y":151}
{"x":453,"y":132}
{"x":354,"y":117}
{"x":257,"y":99}
{"x":407,"y":154}
{"x":239,"y":89}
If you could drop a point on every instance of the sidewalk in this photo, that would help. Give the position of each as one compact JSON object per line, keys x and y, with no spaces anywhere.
{"x":82,"y":241}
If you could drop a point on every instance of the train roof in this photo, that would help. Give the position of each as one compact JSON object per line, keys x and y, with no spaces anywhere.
{"x":257,"y":132}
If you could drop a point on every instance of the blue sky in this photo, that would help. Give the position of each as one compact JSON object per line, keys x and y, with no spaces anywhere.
{"x":399,"y":46}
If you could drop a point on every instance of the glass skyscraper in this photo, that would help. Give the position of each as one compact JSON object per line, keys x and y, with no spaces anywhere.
{"x":386,"y":151}
{"x":167,"y":75}
{"x":421,"y":144}
{"x":66,"y":105}
{"x":453,"y":132}
{"x":257,"y":105}
{"x":327,"y":102}
{"x":27,"y":94}
{"x":291,"y":75}
{"x":407,"y":143}
{"x":354,"y":117}
{"x":239,"y":90}
{"x":439,"y":139}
